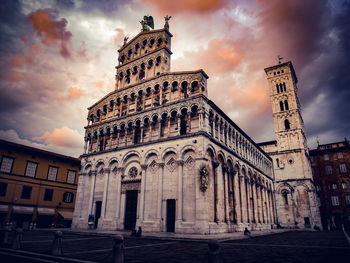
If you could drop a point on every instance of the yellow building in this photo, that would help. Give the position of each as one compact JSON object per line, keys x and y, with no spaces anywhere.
{"x":37,"y":187}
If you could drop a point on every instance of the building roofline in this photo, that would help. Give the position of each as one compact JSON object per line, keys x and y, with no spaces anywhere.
{"x":150,"y":79}
{"x":267,"y":143}
{"x":37,"y":150}
{"x":288,"y":63}
{"x":144,"y":33}
{"x":211,"y":103}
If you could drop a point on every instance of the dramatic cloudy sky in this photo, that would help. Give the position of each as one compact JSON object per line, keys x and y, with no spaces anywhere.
{"x":57,"y":58}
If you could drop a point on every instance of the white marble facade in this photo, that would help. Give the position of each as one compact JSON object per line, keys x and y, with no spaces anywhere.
{"x":159,"y":154}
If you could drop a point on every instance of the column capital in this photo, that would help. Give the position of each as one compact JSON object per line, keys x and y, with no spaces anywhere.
{"x":144,"y":166}
{"x":107,"y":170}
{"x":161,"y":165}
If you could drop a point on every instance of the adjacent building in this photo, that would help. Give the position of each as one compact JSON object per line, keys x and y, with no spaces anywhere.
{"x":330,"y":166}
{"x":37,"y":187}
{"x":161,"y":155}
{"x":295,"y":191}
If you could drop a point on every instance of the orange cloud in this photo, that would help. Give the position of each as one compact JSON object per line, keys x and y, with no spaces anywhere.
{"x":192,"y":6}
{"x":64,"y":137}
{"x":99,"y":83}
{"x":74,"y":93}
{"x":18,"y":60}
{"x":221,"y":56}
{"x":52,"y":32}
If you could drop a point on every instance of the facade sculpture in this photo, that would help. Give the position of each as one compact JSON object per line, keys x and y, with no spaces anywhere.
{"x":159,"y":154}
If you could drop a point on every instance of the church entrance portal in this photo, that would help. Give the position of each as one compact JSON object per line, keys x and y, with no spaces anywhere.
{"x":97,"y":212}
{"x":130,"y":209}
{"x":170,"y":215}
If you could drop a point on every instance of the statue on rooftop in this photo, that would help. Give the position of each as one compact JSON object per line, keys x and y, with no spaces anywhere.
{"x":147,"y":23}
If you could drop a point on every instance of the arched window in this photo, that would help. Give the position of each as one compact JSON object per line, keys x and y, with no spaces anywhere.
{"x":284,"y":86}
{"x":285,"y":197}
{"x":281,"y":106}
{"x":277,"y":88}
{"x":278,"y":162}
{"x":286,"y":105}
{"x":281,"y":87}
{"x":286,"y":124}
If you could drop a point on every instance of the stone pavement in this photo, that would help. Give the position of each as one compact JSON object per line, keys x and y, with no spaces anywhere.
{"x":178,"y":236}
{"x":286,"y":247}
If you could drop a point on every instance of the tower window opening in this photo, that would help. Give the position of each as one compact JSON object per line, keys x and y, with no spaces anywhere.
{"x":284,"y":86}
{"x":286,"y":124}
{"x":278,"y":162}
{"x":281,"y":87}
{"x":281,"y":106}
{"x":285,"y":197}
{"x":277,"y":88}
{"x":286,"y":105}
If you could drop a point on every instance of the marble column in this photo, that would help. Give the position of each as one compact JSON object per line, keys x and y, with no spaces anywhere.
{"x":180,"y":165}
{"x":160,"y":192}
{"x":236,"y":195}
{"x":105,"y":192}
{"x":97,"y":143}
{"x":240,"y":179}
{"x":252,"y":198}
{"x":120,"y":172}
{"x":257,"y":202}
{"x":215,"y":165}
{"x":226,"y":203}
{"x":178,"y":124}
{"x":143,"y":193}
{"x":244,"y":200}
{"x":92,"y":190}
{"x":247,"y":199}
{"x":85,"y":144}
{"x":142,"y":133}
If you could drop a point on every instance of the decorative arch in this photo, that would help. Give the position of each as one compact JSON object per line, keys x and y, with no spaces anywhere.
{"x":284,"y":186}
{"x":87,"y":166}
{"x":98,"y":163}
{"x":112,"y":162}
{"x":167,"y":151}
{"x":129,"y":155}
{"x":211,"y":150}
{"x":150,"y":153}
{"x":186,"y":149}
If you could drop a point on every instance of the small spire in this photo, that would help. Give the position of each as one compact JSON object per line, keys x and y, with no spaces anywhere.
{"x":166,"y":25}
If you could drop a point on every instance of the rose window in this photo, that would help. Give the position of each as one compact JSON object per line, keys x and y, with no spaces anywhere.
{"x":133,"y":172}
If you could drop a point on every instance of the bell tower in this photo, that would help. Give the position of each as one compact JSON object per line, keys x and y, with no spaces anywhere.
{"x":295,"y":191}
{"x":286,"y":110}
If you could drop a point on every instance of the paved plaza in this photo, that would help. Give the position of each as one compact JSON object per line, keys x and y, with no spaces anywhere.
{"x":286,"y":247}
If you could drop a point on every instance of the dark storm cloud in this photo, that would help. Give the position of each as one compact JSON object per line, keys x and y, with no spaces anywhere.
{"x":330,"y":77}
{"x":107,"y":7}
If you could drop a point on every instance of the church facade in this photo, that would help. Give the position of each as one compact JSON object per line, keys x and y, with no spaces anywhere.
{"x":161,"y":155}
{"x":296,"y":199}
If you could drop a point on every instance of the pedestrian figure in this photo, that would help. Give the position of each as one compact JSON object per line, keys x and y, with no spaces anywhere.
{"x":139,"y":232}
{"x":247,"y":232}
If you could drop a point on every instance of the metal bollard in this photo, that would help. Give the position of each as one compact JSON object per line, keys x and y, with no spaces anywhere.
{"x":6,"y":237}
{"x":118,"y":250}
{"x":17,"y":243}
{"x":57,"y":244}
{"x":215,"y":255}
